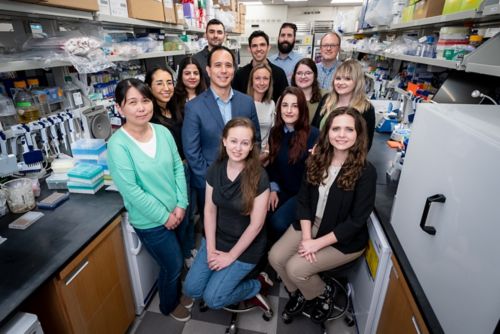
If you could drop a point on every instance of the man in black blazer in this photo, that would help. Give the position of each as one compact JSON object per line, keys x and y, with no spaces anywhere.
{"x":258,"y":45}
{"x":206,"y":115}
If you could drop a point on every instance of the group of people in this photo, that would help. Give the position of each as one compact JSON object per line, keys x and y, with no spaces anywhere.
{"x":272,"y":168}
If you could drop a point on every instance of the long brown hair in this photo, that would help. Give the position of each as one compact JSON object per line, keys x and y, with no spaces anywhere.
{"x":318,"y":163}
{"x":350,"y":68}
{"x":269,"y":92}
{"x":250,"y":175}
{"x":298,"y":143}
{"x":316,"y":91}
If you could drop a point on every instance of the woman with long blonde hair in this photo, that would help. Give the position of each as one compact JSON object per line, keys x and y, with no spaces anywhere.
{"x":348,"y":91}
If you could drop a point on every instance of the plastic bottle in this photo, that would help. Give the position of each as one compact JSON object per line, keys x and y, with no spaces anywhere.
{"x":25,"y":104}
{"x":429,"y":48}
{"x":8,"y":114}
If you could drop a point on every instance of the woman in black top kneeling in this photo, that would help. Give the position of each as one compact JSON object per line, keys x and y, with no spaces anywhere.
{"x":237,"y":194}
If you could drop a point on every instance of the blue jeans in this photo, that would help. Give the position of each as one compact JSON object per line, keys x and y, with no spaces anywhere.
{"x":163,"y":246}
{"x":185,"y":231}
{"x":219,"y":288}
{"x":282,"y":218}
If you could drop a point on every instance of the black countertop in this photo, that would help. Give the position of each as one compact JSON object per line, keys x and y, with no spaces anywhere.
{"x":29,"y":257}
{"x":381,"y":157}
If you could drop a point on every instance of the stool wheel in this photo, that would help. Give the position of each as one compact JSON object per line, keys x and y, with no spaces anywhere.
{"x":232,"y":329}
{"x":349,"y":321}
{"x":287,"y":319}
{"x":267,"y":315}
{"x":203,"y":307}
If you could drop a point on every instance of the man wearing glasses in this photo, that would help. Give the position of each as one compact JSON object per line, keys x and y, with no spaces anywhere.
{"x":329,"y":49}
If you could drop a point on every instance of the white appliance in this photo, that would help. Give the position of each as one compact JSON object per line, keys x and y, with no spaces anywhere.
{"x":142,"y":267}
{"x":22,"y":323}
{"x":370,"y":278}
{"x":446,"y":213}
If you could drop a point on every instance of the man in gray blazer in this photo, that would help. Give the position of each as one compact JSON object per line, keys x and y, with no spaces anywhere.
{"x":206,"y":115}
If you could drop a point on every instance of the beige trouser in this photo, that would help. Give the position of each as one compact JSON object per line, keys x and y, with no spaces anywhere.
{"x":296,"y":272}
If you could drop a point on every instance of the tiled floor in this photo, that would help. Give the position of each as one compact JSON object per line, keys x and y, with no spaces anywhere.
{"x":216,"y":321}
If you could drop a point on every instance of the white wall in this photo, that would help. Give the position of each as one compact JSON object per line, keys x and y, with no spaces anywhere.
{"x":346,"y":16}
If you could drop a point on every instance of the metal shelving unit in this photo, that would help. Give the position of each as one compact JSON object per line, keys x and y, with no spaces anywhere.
{"x":24,"y":65}
{"x":131,"y":22}
{"x":471,"y":16}
{"x":33,"y":10}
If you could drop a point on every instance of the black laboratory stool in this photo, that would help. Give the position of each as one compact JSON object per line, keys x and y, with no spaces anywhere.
{"x":337,"y":279}
{"x":243,"y":307}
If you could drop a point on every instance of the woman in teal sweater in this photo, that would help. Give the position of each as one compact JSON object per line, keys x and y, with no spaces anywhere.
{"x":148,"y":172}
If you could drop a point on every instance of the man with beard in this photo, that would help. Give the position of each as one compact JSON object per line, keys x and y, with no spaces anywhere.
{"x":258,"y":45}
{"x":215,"y":34}
{"x":286,"y":58}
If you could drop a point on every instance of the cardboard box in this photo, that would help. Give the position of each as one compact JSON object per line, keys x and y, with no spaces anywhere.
{"x":118,"y":8}
{"x":87,"y":5}
{"x":230,"y":5}
{"x":428,"y":8}
{"x":179,"y":14}
{"x":104,"y":8}
{"x":146,"y":10}
{"x":243,"y":18}
{"x":169,"y":11}
{"x":242,"y":8}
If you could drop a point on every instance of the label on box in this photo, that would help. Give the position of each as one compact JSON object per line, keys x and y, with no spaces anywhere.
{"x":168,"y":4}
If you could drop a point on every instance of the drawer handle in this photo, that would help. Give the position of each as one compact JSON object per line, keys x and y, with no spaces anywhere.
{"x":77,"y":272}
{"x":415,"y":324}
{"x":439,"y":198}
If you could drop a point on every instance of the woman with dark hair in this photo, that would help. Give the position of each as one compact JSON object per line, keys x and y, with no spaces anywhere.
{"x":305,"y":76}
{"x":189,"y":82}
{"x":260,"y":88}
{"x":290,"y":140}
{"x":348,"y":91}
{"x":237,"y":192}
{"x":148,"y":172}
{"x":335,"y":200}
{"x":168,"y":113}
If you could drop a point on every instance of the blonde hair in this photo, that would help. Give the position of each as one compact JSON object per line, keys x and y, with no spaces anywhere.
{"x":359,"y":101}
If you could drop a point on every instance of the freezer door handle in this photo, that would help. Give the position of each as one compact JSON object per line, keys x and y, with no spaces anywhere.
{"x":440,"y":198}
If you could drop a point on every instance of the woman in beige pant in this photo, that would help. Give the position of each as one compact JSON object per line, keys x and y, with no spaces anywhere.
{"x":336,"y":198}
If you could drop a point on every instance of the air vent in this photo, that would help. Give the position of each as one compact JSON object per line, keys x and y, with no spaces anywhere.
{"x":322,"y":26}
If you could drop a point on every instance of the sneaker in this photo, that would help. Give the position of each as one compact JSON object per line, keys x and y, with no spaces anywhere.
{"x":265,"y":283}
{"x":181,"y":313}
{"x":187,"y":302}
{"x":323,"y":306}
{"x":261,"y":302}
{"x":296,"y":303}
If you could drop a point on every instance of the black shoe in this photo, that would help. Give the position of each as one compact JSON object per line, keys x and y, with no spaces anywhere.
{"x":323,"y":306}
{"x":296,"y":303}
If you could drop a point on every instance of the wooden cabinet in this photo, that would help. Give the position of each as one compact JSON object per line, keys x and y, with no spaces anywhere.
{"x":400,"y":313}
{"x":92,"y":294}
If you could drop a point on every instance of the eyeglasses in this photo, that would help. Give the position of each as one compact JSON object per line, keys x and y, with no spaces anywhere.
{"x":329,"y":46}
{"x":304,"y":74}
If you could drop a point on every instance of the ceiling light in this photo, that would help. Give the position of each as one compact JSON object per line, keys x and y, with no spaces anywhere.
{"x":347,"y":2}
{"x":253,"y":3}
{"x":295,"y":0}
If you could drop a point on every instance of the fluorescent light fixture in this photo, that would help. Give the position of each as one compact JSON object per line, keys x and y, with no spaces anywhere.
{"x":346,"y":2}
{"x":294,"y":0}
{"x":253,"y":3}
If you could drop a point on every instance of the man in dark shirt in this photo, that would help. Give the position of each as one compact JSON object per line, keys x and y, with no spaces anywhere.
{"x":215,"y":34}
{"x":258,"y":45}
